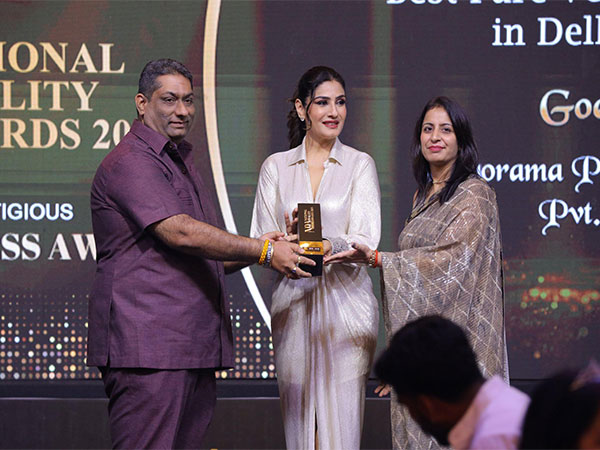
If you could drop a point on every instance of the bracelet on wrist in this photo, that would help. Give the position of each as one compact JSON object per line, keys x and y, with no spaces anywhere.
{"x":373,"y":258}
{"x":269,"y":257}
{"x":263,"y":254}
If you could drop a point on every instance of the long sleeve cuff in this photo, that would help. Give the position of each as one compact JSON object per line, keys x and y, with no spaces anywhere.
{"x":338,"y":245}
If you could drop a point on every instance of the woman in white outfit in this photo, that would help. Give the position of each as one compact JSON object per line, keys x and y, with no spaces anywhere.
{"x":324,"y":328}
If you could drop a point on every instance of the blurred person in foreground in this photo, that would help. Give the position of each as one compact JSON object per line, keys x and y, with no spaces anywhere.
{"x":565,"y":411}
{"x":435,"y":376}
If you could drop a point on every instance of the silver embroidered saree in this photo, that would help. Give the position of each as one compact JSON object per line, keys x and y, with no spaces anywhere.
{"x":449,"y":263}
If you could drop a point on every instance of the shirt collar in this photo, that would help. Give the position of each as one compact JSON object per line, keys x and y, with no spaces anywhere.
{"x":461,"y":434}
{"x":336,"y":155}
{"x":156,"y":141}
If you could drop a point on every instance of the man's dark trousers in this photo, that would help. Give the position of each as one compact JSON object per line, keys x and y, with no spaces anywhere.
{"x":160,"y":409}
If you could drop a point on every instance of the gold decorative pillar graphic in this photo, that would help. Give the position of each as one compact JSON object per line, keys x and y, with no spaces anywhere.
{"x":209,"y":65}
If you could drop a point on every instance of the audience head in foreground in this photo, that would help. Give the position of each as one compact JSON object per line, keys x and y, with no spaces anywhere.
{"x":565,"y":412}
{"x":434,"y":373}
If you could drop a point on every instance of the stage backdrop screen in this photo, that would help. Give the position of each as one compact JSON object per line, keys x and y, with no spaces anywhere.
{"x":526,"y":71}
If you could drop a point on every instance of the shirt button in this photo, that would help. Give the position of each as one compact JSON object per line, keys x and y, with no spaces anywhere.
{"x":184,"y":171}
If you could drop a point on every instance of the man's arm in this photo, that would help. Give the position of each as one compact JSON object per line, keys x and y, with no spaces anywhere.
{"x":191,"y":236}
{"x":188,"y":235}
{"x":234,"y":266}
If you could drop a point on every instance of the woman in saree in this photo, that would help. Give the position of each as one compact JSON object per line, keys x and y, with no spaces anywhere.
{"x":449,"y":260}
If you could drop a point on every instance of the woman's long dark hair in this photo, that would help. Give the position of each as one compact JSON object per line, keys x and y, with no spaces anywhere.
{"x":466,"y":159}
{"x":305,"y":91}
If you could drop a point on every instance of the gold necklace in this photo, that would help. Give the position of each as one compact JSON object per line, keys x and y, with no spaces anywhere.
{"x":438,"y":182}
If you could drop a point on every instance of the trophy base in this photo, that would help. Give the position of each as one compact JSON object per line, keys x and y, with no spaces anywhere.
{"x":315,"y":271}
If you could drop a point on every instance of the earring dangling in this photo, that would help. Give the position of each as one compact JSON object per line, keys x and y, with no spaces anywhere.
{"x":301,"y":119}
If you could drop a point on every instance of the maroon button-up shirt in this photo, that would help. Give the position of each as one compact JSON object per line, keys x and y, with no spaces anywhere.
{"x":152,"y":306}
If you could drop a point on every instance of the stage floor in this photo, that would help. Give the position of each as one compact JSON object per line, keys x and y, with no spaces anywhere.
{"x":247,"y":416}
{"x":73,"y":415}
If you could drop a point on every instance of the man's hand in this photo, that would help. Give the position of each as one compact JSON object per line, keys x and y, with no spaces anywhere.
{"x":234,"y":266}
{"x":286,"y":258}
{"x":198,"y":238}
{"x":273,"y":236}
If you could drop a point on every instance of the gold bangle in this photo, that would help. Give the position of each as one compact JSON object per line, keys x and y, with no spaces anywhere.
{"x":263,"y":254}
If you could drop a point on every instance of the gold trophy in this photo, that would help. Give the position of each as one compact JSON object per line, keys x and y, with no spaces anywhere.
{"x":309,"y":236}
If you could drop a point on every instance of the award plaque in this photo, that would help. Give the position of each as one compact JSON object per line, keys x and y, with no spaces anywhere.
{"x":309,"y":236}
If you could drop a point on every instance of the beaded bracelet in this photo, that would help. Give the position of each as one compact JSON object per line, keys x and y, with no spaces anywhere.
{"x":373,"y":258}
{"x":269,"y":256}
{"x":263,"y":254}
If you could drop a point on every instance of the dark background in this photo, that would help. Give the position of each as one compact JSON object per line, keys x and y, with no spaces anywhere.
{"x":394,"y":58}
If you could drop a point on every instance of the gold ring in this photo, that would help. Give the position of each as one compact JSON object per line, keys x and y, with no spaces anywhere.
{"x":298,"y":263}
{"x":294,"y":270}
